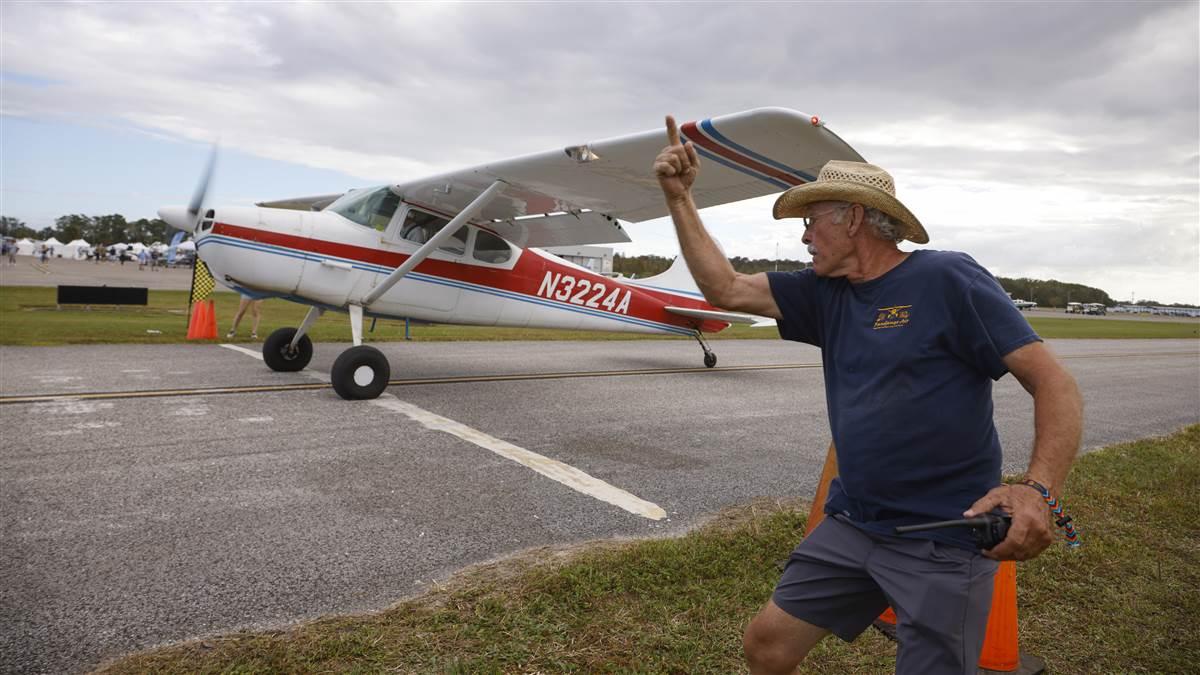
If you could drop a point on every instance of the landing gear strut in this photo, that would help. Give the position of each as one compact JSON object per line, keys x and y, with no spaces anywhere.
{"x":710,"y":358}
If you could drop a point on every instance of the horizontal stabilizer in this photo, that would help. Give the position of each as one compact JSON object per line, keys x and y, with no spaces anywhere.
{"x":728,"y":317}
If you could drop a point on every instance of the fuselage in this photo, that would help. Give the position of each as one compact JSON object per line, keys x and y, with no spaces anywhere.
{"x":324,"y":259}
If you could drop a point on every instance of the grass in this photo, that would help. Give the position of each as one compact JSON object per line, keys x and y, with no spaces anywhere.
{"x":28,"y":316}
{"x":1125,"y":602}
{"x":1053,"y":328}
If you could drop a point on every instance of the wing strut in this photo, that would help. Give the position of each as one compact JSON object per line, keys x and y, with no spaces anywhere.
{"x":430,"y":246}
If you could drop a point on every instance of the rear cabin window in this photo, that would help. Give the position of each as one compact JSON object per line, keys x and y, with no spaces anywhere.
{"x":419,"y":227}
{"x":491,"y":249}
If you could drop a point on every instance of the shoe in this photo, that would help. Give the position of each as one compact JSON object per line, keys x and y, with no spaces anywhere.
{"x":254,"y":336}
{"x":229,"y":335}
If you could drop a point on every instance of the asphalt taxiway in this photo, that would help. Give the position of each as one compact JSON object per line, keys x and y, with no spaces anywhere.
{"x":139,"y":505}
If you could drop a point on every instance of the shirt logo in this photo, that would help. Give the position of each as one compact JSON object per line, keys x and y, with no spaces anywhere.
{"x":892,"y":317}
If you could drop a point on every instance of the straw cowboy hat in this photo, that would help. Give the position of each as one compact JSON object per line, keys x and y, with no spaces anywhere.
{"x":856,"y":182}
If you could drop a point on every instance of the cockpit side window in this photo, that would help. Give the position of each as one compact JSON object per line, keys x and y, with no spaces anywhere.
{"x":491,"y":249}
{"x":372,"y":207}
{"x":419,"y":227}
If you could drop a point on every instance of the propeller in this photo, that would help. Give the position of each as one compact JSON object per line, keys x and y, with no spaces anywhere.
{"x":187,"y":217}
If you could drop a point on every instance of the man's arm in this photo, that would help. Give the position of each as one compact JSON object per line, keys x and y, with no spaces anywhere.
{"x":676,"y":168}
{"x":1057,"y":427}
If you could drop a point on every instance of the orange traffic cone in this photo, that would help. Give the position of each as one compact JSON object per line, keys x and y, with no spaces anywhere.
{"x":816,"y":513}
{"x":194,"y":322}
{"x":203,"y":324}
{"x":210,"y":317}
{"x":1000,"y":650}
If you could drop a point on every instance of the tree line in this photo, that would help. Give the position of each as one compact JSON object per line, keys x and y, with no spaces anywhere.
{"x":110,"y":229}
{"x":1051,"y":293}
{"x":642,"y":266}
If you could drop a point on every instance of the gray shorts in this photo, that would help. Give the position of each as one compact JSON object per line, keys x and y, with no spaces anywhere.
{"x":841,"y":578}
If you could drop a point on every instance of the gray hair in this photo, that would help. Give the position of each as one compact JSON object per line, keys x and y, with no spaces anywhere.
{"x":884,"y":226}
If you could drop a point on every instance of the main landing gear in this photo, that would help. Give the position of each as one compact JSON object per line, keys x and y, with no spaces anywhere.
{"x":710,"y":358}
{"x":360,"y":372}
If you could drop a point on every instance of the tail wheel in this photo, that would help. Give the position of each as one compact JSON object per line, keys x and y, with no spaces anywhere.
{"x":279,"y":355}
{"x":710,"y":359}
{"x":360,"y":373}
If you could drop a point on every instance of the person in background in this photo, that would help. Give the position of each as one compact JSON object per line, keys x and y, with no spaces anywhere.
{"x":255,"y":307}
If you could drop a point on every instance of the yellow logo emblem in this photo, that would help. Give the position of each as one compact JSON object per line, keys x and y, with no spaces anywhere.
{"x":892,"y":317}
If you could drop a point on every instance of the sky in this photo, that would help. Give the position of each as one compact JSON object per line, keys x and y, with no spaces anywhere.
{"x":1047,"y":140}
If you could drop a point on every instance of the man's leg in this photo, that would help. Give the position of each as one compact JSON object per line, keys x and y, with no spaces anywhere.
{"x":776,"y":642}
{"x":825,"y":588}
{"x":942,"y":595}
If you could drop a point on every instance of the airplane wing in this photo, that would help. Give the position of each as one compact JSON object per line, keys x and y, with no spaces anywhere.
{"x":314,"y":203}
{"x":575,"y":195}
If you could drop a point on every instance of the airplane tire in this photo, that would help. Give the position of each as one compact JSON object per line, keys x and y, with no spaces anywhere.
{"x":280,"y":358}
{"x":360,"y":373}
{"x":710,"y":360}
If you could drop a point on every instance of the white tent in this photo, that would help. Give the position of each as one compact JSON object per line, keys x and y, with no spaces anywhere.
{"x":26,"y":247}
{"x":118,"y":247}
{"x":53,"y":245}
{"x":76,"y":250}
{"x":137,"y":247}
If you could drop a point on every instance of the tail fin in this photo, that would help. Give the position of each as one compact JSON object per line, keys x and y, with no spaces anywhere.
{"x":677,"y":280}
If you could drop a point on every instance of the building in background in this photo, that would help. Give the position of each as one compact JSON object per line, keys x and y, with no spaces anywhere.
{"x":598,"y":259}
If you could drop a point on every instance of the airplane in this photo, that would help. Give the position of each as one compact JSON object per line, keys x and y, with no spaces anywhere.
{"x":464,"y":247}
{"x":1024,"y":304}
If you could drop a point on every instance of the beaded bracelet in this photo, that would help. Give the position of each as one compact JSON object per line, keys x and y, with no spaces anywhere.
{"x":1061,"y":518}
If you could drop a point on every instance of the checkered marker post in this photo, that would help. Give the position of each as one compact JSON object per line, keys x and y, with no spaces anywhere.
{"x":203,"y":322}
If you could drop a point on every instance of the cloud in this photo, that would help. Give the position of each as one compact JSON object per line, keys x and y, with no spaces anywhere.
{"x":1026,"y":120}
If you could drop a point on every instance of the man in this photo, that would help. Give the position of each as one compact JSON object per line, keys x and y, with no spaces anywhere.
{"x":910,"y":344}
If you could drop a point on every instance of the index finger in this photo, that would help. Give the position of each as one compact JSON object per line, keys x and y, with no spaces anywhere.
{"x":672,"y":132}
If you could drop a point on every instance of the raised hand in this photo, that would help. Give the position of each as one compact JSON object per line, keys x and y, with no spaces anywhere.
{"x":677,"y":165}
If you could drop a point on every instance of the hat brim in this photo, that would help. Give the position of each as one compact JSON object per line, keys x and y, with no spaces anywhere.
{"x":794,"y":203}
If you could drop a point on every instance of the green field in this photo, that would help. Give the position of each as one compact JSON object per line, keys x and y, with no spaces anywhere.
{"x":1125,"y":602}
{"x":28,"y":316}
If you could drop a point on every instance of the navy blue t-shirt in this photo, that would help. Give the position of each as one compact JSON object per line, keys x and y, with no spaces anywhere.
{"x":909,"y":361}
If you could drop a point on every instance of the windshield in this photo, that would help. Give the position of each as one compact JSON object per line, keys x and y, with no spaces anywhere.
{"x":372,"y":207}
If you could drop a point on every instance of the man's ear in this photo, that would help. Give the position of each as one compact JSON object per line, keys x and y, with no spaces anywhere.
{"x":854,"y":220}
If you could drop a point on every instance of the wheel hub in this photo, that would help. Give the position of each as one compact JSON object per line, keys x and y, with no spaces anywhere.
{"x":363,"y":375}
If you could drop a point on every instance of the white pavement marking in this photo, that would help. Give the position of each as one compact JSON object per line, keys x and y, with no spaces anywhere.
{"x":70,"y":406}
{"x":254,"y":420}
{"x":192,"y":407}
{"x":551,"y":468}
{"x":248,"y":352}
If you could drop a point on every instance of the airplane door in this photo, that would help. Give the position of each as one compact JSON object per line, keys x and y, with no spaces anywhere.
{"x":431,"y":290}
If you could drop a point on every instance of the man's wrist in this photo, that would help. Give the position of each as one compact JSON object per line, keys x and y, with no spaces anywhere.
{"x":679,"y":201}
{"x":1035,"y":485}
